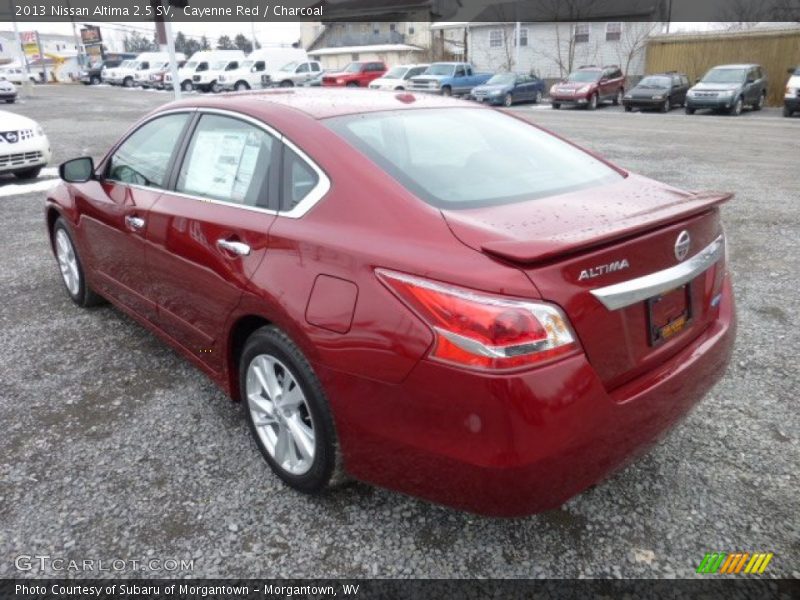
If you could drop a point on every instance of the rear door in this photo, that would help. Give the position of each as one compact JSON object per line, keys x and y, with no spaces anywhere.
{"x":115,"y":210}
{"x":207,"y":236}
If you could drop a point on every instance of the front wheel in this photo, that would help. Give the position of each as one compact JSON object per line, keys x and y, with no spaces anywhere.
{"x":447,"y":91}
{"x":288,"y":412}
{"x":665,"y":106}
{"x":215,"y":87}
{"x":555,"y":105}
{"x":127,"y":82}
{"x":689,"y":110}
{"x":287,"y":83}
{"x":787,"y":112}
{"x":10,"y":100}
{"x":69,"y":263}
{"x":508,"y":100}
{"x":95,"y":80}
{"x":760,"y":104}
{"x":736,"y":109}
{"x":241,"y":86}
{"x":352,"y":84}
{"x":537,"y":97}
{"x":628,"y":109}
{"x":592,"y":102}
{"x":187,"y":86}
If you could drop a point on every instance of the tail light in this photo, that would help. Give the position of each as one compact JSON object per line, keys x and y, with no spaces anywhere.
{"x":480,"y":330}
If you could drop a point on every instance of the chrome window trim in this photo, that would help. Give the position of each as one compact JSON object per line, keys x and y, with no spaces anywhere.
{"x":626,"y":293}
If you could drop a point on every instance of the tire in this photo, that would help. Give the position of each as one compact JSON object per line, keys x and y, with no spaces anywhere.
{"x":127,"y":82}
{"x":508,"y":100}
{"x":618,"y":97}
{"x":31,"y":173}
{"x":10,"y":100}
{"x":537,"y":98}
{"x":241,"y":86}
{"x":736,"y":109}
{"x":95,"y":80}
{"x":689,"y":110}
{"x":303,"y":420}
{"x":215,"y":87}
{"x":187,"y":86}
{"x":592,"y":103}
{"x":352,"y":84}
{"x":287,"y":83}
{"x":71,"y":267}
{"x":664,"y":108}
{"x":760,"y":104}
{"x":555,"y":105}
{"x":786,"y":111}
{"x":447,"y":91}
{"x":628,"y":108}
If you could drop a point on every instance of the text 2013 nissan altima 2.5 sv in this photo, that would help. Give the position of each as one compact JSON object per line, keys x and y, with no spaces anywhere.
{"x":417,"y":292}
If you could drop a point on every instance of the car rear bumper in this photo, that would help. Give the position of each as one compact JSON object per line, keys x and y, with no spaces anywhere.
{"x":512,"y":445}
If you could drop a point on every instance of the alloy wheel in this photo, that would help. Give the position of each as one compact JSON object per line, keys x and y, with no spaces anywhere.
{"x":67,"y":262}
{"x":508,"y":100}
{"x":281,"y":414}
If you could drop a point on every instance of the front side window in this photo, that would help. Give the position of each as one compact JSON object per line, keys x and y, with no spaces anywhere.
{"x":315,"y":67}
{"x":232,"y":66}
{"x":466,"y":157}
{"x":229,"y":160}
{"x":303,"y":68}
{"x":144,"y":157}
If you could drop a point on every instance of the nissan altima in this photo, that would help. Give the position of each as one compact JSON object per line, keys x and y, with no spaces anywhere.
{"x":417,"y":292}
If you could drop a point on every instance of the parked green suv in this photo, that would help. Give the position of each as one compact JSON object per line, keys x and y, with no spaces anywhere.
{"x":729,"y":88}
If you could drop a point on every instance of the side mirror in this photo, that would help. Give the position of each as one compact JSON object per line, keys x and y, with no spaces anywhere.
{"x":77,"y":170}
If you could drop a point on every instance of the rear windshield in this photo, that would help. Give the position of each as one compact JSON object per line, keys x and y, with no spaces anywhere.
{"x":467,"y":157}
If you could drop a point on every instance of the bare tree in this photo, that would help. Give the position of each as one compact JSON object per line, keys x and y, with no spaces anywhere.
{"x":632,"y":43}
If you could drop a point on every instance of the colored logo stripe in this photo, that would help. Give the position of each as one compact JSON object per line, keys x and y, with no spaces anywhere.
{"x":721,"y":562}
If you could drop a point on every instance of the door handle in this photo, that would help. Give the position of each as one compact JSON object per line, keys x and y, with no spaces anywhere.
{"x":239,"y":248}
{"x":134,"y":223}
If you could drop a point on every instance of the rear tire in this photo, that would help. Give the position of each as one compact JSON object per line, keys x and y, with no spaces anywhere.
{"x":664,"y":108}
{"x":215,"y":87}
{"x":288,"y":413}
{"x":447,"y":91}
{"x":287,"y":83}
{"x":689,"y":111}
{"x":628,"y":109}
{"x":786,"y":111}
{"x":241,"y":86}
{"x":95,"y":80}
{"x":10,"y":100}
{"x":508,"y":100}
{"x":127,"y":82}
{"x":592,"y":102}
{"x":187,"y":86}
{"x":736,"y":109}
{"x":618,"y":97}
{"x":760,"y":104}
{"x":538,"y":97}
{"x":352,"y":84}
{"x":72,"y":273}
{"x":555,"y":105}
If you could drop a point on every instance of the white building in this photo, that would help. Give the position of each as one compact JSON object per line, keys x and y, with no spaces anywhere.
{"x":552,"y":50}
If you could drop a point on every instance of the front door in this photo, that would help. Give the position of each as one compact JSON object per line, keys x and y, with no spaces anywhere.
{"x":115,"y":209}
{"x":208,"y":236}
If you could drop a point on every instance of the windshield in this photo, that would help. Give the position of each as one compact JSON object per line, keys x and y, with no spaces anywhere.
{"x":502,"y":79}
{"x":396,"y":73}
{"x":466,"y":157}
{"x":289,"y":67}
{"x":352,"y":68}
{"x":725,"y":76}
{"x":440,"y":70}
{"x":584,"y":76}
{"x":655,"y":82}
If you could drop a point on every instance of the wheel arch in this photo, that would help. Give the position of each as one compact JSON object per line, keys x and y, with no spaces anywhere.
{"x":241,"y":329}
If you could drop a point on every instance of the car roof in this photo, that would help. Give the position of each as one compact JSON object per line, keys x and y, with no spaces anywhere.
{"x":737,"y":66}
{"x":320,"y":103}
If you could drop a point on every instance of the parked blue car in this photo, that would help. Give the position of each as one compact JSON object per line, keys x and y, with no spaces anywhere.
{"x":508,"y":88}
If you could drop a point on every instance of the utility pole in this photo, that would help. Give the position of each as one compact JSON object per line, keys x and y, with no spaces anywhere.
{"x":76,"y":38}
{"x":253,"y":28}
{"x":27,"y":86}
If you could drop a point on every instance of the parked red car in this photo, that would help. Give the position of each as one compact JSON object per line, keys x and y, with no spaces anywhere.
{"x":589,"y":86}
{"x":356,"y":74}
{"x":480,"y":314}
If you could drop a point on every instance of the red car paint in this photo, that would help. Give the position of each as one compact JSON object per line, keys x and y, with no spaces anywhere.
{"x":367,"y":72}
{"x":608,"y":83}
{"x":508,"y":442}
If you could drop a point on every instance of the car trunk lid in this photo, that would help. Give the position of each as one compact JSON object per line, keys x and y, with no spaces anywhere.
{"x":578,"y":243}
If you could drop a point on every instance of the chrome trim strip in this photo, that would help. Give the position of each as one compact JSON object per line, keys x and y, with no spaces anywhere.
{"x":620,"y":295}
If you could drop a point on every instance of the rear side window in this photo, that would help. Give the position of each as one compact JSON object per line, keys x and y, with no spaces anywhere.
{"x":228,"y":160}
{"x":299,"y":179}
{"x":315,"y":67}
{"x":466,"y":157}
{"x":144,"y":157}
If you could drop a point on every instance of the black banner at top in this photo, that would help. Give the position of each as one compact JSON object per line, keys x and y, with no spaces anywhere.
{"x":468,"y":11}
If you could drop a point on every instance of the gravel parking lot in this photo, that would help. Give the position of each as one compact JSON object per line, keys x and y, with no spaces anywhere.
{"x":115,"y":447}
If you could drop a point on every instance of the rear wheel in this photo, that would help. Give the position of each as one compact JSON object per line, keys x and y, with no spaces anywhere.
{"x":10,"y":100}
{"x":537,"y":97}
{"x":287,"y":83}
{"x":787,"y":112}
{"x":69,"y":263}
{"x":555,"y":105}
{"x":288,"y":412}
{"x":187,"y":86}
{"x":241,"y":86}
{"x":95,"y":80}
{"x":508,"y":100}
{"x":689,"y":111}
{"x":628,"y":109}
{"x":618,"y":97}
{"x":760,"y":103}
{"x":215,"y":87}
{"x":592,"y":102}
{"x":127,"y":82}
{"x":665,"y":106}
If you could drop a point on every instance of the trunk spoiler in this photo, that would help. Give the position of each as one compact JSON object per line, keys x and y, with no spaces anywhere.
{"x":536,"y":251}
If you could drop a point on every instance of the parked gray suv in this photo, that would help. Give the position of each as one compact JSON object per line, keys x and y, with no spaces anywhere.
{"x":729,"y":88}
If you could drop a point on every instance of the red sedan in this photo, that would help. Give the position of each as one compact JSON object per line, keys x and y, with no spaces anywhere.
{"x":417,"y":292}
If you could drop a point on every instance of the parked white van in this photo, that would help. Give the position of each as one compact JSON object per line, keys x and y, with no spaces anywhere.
{"x":199,"y":63}
{"x":220,"y":62}
{"x":125,"y":74}
{"x":263,"y":63}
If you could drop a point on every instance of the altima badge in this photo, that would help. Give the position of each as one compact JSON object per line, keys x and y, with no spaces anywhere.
{"x":617,"y":265}
{"x":682,"y":245}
